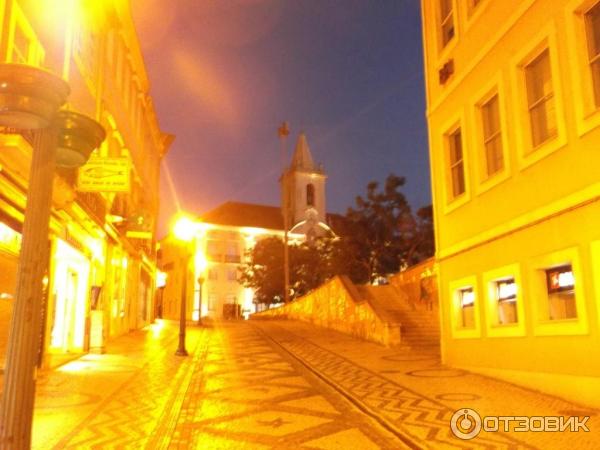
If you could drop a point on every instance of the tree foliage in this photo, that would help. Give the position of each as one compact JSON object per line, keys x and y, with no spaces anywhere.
{"x":263,"y":270}
{"x":377,"y":237}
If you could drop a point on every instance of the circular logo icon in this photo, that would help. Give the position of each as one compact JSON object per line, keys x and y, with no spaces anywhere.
{"x":465,"y":423}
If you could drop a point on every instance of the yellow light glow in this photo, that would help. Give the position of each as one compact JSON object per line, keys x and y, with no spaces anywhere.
{"x":9,"y":238}
{"x":157,"y":328}
{"x":184,"y":229}
{"x":201,"y":262}
{"x":161,"y":279}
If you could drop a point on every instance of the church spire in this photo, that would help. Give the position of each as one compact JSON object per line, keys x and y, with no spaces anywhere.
{"x":302,"y":159}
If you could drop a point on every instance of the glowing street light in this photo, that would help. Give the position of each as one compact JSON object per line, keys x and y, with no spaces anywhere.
{"x":184,"y":231}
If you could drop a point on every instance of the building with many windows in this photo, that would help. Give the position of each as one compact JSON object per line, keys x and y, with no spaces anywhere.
{"x":101,"y":248}
{"x":513,"y":107}
{"x":225,"y":234}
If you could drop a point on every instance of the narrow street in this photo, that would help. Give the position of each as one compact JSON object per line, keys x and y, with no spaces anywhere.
{"x":274,"y":384}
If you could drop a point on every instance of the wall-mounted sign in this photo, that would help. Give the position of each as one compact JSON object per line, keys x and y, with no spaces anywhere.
{"x":105,"y":175}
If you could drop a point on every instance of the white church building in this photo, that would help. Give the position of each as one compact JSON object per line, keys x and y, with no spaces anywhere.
{"x":226,"y":233}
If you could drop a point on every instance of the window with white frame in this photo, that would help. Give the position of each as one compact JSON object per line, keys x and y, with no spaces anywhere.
{"x":540,"y":99}
{"x":492,"y":135}
{"x":446,"y":21}
{"x":506,"y":298}
{"x":561,"y":293}
{"x":592,"y":25}
{"x":466,"y":301}
{"x":456,"y":164}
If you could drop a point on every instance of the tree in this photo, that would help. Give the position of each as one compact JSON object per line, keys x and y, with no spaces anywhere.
{"x":374,"y":239}
{"x":380,"y":232}
{"x":263,"y":270}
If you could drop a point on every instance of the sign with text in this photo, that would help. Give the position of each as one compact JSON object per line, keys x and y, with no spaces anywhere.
{"x":104,"y":175}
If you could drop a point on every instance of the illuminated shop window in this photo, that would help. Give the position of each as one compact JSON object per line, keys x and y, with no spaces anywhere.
{"x":457,"y":173}
{"x":592,"y":24}
{"x":561,"y":293}
{"x":540,"y":99}
{"x":446,"y":21}
{"x":466,"y":298}
{"x":492,"y":136}
{"x":506,"y":296}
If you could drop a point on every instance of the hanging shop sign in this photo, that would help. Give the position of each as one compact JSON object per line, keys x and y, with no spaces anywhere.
{"x":105,"y":175}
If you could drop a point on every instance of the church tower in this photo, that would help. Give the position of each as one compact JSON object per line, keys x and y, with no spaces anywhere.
{"x":303,"y":192}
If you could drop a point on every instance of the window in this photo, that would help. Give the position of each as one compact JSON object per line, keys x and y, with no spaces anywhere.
{"x":506,"y":297}
{"x":540,"y":99}
{"x":310,"y":195}
{"x":504,"y":308}
{"x":447,"y":21}
{"x":592,"y":25}
{"x":233,"y":252}
{"x":213,"y":274}
{"x":464,"y":308}
{"x":231,"y":274}
{"x":457,"y":174}
{"x":467,"y":307}
{"x":212,"y":250}
{"x":212,"y":300}
{"x":492,"y":136}
{"x":20,"y":47}
{"x":561,"y":293}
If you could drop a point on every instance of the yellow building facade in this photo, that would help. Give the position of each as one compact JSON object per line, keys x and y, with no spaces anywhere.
{"x":513,"y":108}
{"x":101,"y":257}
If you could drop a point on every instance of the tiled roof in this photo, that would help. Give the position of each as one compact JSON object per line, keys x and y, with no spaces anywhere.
{"x":245,"y":215}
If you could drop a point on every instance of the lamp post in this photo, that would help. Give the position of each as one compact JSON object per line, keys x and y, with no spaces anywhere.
{"x":184,"y":232}
{"x":283,"y":132}
{"x":200,"y":283}
{"x":29,"y":100}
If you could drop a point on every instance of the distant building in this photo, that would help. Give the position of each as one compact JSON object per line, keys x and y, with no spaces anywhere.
{"x":101,"y":247}
{"x":227,"y":232}
{"x":513,"y":105}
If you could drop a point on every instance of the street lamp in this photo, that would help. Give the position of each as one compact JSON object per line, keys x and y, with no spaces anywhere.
{"x":283,"y":132}
{"x":29,"y":100}
{"x":183,"y":230}
{"x":200,"y":283}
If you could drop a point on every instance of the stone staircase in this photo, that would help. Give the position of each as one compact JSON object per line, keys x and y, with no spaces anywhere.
{"x":419,"y":327}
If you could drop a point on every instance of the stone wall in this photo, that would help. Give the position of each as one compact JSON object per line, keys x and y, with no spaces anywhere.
{"x":338,"y":305}
{"x":419,"y":283}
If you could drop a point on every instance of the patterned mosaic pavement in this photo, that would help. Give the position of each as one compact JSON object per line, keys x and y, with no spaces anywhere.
{"x":276,"y":385}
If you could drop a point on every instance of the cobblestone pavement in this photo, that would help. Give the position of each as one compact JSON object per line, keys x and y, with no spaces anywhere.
{"x":277,"y":385}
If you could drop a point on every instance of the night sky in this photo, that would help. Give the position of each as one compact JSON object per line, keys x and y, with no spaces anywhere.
{"x":225,"y":74}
